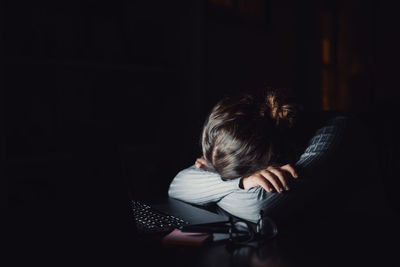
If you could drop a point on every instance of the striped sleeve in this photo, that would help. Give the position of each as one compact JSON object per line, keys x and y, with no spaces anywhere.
{"x":247,"y":204}
{"x":325,"y":141}
{"x":200,"y":187}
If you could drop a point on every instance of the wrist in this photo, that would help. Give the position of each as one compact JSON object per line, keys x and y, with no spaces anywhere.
{"x":247,"y":182}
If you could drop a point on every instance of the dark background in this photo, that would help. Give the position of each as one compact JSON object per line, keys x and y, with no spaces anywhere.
{"x":96,"y":91}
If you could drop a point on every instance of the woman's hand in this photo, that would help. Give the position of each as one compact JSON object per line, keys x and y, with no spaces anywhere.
{"x":271,"y":178}
{"x":201,"y":163}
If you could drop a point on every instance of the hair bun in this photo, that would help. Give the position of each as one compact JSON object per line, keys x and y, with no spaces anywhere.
{"x":279,"y":106}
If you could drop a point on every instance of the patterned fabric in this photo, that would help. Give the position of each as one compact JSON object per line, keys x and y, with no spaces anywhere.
{"x":197,"y":186}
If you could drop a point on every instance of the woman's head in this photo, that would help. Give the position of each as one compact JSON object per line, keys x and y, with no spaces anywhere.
{"x":242,"y":134}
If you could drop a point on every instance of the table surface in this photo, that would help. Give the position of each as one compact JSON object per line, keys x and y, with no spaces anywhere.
{"x":357,"y":240}
{"x":349,"y":240}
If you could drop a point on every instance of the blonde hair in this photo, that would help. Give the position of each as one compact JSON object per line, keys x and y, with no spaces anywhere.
{"x":242,"y":133}
{"x":279,"y":106}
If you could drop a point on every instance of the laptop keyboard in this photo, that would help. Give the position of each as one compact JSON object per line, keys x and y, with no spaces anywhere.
{"x":148,"y":219}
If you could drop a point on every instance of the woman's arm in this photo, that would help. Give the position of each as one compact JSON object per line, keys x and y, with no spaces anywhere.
{"x":197,"y":186}
{"x":314,"y":167}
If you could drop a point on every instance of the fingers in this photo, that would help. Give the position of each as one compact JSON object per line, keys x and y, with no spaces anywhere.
{"x":200,"y":162}
{"x":197,"y":164}
{"x":273,"y":179}
{"x":264,"y":183}
{"x":280,"y":176}
{"x":290,"y":169}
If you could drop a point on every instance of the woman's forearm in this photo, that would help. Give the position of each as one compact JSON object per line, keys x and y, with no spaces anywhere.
{"x":316,"y":169}
{"x":197,"y":186}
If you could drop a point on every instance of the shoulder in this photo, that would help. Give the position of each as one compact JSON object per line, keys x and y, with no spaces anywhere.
{"x":327,"y":123}
{"x":340,"y":124}
{"x":326,"y":133}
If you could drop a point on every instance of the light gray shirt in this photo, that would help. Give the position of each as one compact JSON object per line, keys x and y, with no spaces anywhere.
{"x":202,"y":187}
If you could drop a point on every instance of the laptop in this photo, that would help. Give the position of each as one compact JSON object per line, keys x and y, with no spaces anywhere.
{"x":169,"y":214}
{"x":166,"y":214}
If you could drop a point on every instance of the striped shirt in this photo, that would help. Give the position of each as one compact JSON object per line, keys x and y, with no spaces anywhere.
{"x":202,"y":187}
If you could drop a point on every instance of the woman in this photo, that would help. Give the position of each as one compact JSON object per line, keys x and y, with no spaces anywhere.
{"x":263,"y":152}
